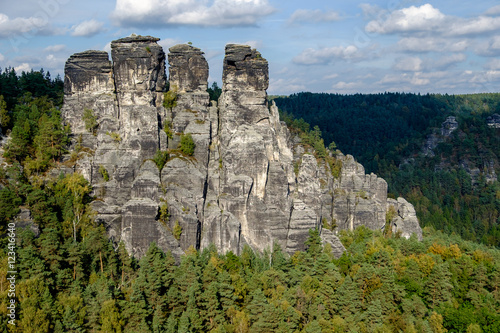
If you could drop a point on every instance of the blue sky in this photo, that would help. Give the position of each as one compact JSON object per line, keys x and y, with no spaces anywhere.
{"x":320,"y":46}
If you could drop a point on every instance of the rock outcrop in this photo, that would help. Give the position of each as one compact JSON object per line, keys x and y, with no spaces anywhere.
{"x":449,"y":126}
{"x":493,"y":121}
{"x":248,"y":180}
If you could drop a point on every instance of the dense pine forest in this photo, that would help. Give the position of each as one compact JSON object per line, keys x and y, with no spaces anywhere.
{"x":72,"y":278}
{"x":454,"y":189}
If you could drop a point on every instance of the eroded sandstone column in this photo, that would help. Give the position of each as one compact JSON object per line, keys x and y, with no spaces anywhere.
{"x":88,"y":84}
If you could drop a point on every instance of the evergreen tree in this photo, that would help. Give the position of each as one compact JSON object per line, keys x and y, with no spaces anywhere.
{"x":437,"y":289}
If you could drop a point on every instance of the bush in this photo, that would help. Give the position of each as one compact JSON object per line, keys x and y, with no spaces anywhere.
{"x":177,"y":232}
{"x":90,"y":121}
{"x":187,"y":145}
{"x":115,"y":136}
{"x":160,"y":158}
{"x":104,"y":173}
{"x":164,"y":214}
{"x":167,"y":128}
{"x":170,"y":98}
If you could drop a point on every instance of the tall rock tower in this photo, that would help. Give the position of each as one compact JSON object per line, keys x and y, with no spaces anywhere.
{"x":248,"y":181}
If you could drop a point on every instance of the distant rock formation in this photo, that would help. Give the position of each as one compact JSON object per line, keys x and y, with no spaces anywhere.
{"x":444,"y":135}
{"x":493,"y":121}
{"x":449,"y":126}
{"x":248,"y":181}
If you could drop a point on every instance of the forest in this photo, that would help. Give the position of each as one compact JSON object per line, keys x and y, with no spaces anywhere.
{"x":387,"y":133}
{"x":72,"y":278}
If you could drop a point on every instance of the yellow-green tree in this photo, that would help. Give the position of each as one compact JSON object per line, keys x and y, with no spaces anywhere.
{"x":79,"y":188}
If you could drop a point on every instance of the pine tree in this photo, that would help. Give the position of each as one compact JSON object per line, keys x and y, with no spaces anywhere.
{"x":313,"y":244}
{"x":437,"y":288}
{"x":4,"y":113}
{"x":110,"y":317}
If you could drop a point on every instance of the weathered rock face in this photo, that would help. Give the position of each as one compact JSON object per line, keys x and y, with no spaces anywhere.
{"x":139,"y":70}
{"x":449,"y":126}
{"x":248,"y":182}
{"x":493,"y":121}
{"x":405,"y":222}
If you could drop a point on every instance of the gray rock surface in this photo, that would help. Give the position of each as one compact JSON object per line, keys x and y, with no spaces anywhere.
{"x":249,"y":180}
{"x":406,"y":221}
{"x":449,"y":126}
{"x":24,"y":220}
{"x":493,"y":121}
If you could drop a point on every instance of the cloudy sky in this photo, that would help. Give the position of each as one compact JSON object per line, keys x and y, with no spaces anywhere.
{"x":338,"y":46}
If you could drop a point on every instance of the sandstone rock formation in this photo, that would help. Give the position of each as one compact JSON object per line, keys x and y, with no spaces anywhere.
{"x":493,"y":121}
{"x":449,"y":126}
{"x":249,"y":181}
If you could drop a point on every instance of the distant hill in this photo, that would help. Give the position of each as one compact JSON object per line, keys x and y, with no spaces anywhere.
{"x":447,"y":167}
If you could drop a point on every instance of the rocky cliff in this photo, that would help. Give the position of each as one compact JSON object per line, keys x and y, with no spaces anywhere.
{"x":248,"y":179}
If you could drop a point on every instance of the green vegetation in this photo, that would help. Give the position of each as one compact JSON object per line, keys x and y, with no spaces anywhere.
{"x":167,"y":128}
{"x":380,"y":285}
{"x":177,"y":231}
{"x":187,"y":145}
{"x":389,"y":216}
{"x":38,"y":138}
{"x":115,"y":136}
{"x":104,"y":173}
{"x":160,"y":158}
{"x":214,"y":92}
{"x":164,"y":214}
{"x":37,"y":83}
{"x":90,"y":121}
{"x":4,"y":113}
{"x":313,"y":138}
{"x":387,"y":132}
{"x":332,"y":225}
{"x":170,"y":98}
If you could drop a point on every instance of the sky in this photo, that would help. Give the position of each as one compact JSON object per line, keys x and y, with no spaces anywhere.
{"x":333,"y":46}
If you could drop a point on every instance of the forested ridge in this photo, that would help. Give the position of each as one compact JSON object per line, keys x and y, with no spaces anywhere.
{"x":387,"y":133}
{"x":72,"y":278}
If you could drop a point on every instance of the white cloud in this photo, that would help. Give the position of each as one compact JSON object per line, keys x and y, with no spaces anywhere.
{"x":256,"y":44}
{"x":413,"y":79}
{"x":55,"y":48}
{"x":107,"y":47}
{"x":344,"y":85}
{"x":486,"y":78}
{"x":493,"y":11}
{"x":314,"y":16}
{"x":87,"y":28}
{"x":428,"y":65}
{"x":168,"y":43}
{"x":280,"y":86}
{"x":423,"y":18}
{"x":408,"y":64}
{"x":489,"y":48}
{"x":32,"y":26}
{"x":331,"y":76}
{"x":430,"y":44}
{"x":24,"y":67}
{"x":447,"y":61}
{"x":493,"y":64}
{"x":326,"y":55}
{"x":431,"y":20}
{"x":475,"y":26}
{"x":370,"y":11}
{"x":2,"y":57}
{"x":190,"y":12}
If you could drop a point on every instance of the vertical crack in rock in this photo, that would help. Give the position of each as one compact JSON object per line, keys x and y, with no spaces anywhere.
{"x":238,"y":186}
